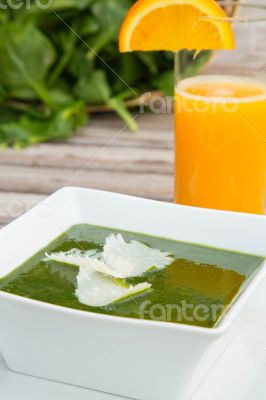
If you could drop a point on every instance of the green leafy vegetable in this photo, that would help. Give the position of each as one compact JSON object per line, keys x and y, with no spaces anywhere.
{"x":28,"y":129}
{"x":59,"y":57}
{"x":25,"y":57}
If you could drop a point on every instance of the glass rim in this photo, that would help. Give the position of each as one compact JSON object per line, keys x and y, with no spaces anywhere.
{"x":238,"y":6}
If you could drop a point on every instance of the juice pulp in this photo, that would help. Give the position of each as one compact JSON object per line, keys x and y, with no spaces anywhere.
{"x":220,"y":143}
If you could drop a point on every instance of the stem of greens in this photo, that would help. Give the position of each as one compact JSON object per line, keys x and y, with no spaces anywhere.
{"x":60,"y":67}
{"x":118,"y":106}
{"x":63,"y":62}
{"x":100,"y":42}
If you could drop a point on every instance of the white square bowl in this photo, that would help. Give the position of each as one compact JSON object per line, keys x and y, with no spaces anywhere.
{"x":145,"y":360}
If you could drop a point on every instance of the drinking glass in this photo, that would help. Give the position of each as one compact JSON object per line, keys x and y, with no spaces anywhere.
{"x":220,"y":121}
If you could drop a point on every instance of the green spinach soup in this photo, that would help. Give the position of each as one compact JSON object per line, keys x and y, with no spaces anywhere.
{"x":188,"y":284}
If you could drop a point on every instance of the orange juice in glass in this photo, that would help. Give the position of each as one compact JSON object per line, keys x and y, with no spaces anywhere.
{"x":220,"y":143}
{"x":220,"y":126}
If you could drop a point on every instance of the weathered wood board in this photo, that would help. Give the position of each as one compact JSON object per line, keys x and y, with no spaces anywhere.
{"x":104,"y":156}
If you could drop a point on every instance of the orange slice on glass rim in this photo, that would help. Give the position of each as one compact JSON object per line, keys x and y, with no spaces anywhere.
{"x":174,"y":25}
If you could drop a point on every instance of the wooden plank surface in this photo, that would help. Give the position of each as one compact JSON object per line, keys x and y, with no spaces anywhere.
{"x":104,"y":155}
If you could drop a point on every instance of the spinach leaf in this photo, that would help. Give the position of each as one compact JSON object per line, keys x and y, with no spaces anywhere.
{"x":60,"y":96}
{"x":94,"y":89}
{"x":109,"y":12}
{"x":80,"y":66}
{"x":13,"y":134}
{"x":131,"y":72}
{"x":25,"y":57}
{"x":59,"y":126}
{"x":88,"y":25}
{"x":31,"y":10}
{"x":28,"y":130}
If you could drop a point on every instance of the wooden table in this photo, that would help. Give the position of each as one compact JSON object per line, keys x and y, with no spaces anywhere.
{"x":105,"y":156}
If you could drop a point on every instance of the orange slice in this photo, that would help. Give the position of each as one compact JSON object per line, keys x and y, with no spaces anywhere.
{"x":174,"y":25}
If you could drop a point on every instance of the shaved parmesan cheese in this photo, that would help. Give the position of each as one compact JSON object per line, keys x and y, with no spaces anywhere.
{"x":131,"y":259}
{"x":118,"y":259}
{"x":73,"y":257}
{"x":97,"y":290}
{"x":101,"y":274}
